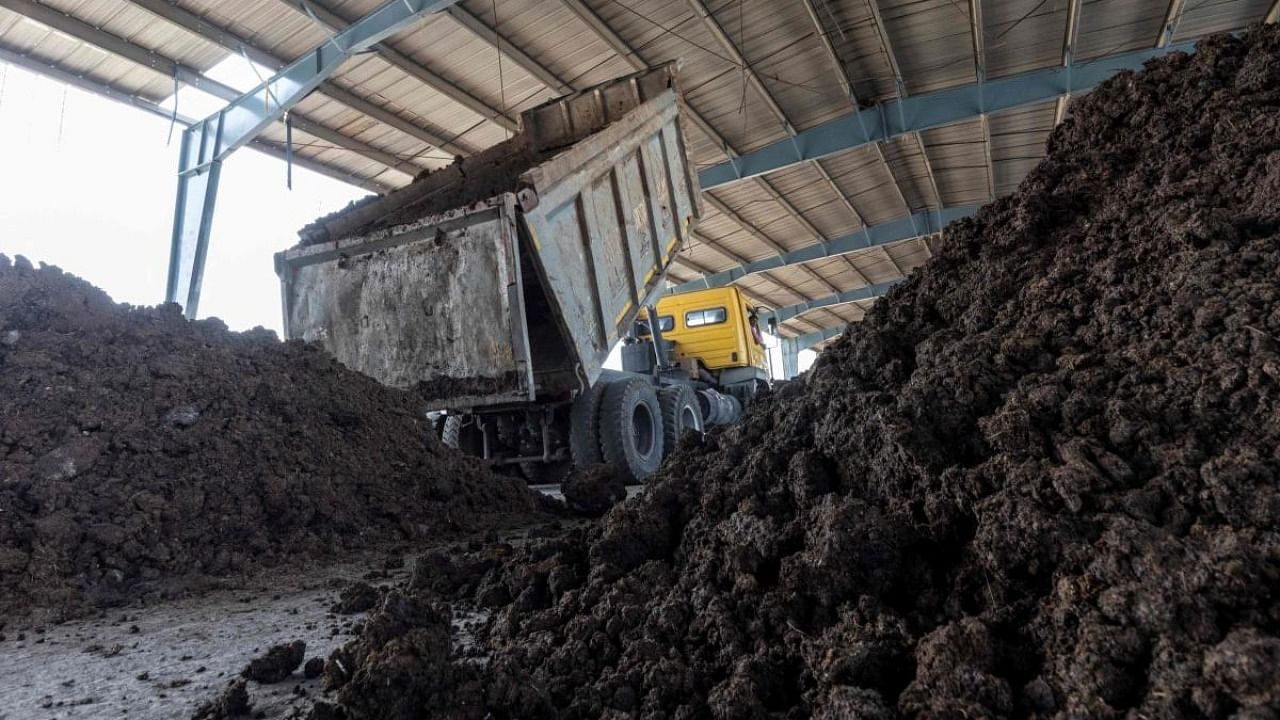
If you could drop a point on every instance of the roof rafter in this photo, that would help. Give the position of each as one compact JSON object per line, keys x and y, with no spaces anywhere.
{"x":808,"y":340}
{"x":1172,"y":17}
{"x":624,"y":50}
{"x":869,"y":237}
{"x":853,"y":210}
{"x":991,"y":163}
{"x":922,"y":112}
{"x":978,"y":33}
{"x":846,"y":83}
{"x":522,"y":59}
{"x":1069,"y":38}
{"x":783,"y":314}
{"x":817,"y":234}
{"x":892,"y":57}
{"x":168,"y":67}
{"x":235,"y":44}
{"x":336,"y":23}
{"x":734,"y":257}
{"x":713,"y":26}
{"x":815,"y":326}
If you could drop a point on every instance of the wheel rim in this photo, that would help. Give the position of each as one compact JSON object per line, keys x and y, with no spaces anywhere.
{"x":688,"y":420}
{"x":642,"y":429}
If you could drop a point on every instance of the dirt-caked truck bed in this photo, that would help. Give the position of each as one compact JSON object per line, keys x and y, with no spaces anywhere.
{"x":498,"y":286}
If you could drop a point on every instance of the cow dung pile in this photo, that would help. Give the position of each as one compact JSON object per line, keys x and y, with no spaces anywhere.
{"x":1040,"y":479}
{"x":136,"y":446}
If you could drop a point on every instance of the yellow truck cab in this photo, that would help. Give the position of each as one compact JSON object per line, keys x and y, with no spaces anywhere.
{"x":709,"y":339}
{"x":714,"y":327}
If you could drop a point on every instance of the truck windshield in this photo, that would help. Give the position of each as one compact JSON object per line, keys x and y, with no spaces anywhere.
{"x":710,"y":316}
{"x":666,"y":323}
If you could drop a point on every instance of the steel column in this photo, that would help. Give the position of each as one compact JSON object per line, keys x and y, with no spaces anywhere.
{"x":207,"y":143}
{"x":790,"y":358}
{"x":792,"y":346}
{"x":54,"y":72}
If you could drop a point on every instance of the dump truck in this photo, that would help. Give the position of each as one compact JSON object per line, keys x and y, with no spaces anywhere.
{"x":498,"y":286}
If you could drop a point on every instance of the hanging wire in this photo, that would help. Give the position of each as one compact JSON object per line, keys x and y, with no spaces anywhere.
{"x":502,"y":84}
{"x":62,"y":114}
{"x":742,"y":103}
{"x":173,"y":118}
{"x":269,"y":96}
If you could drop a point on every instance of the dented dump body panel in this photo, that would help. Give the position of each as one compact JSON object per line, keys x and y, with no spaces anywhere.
{"x":584,"y":236}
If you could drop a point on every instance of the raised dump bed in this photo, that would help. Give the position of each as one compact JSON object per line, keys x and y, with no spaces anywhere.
{"x":512,"y":273}
{"x":498,"y":286}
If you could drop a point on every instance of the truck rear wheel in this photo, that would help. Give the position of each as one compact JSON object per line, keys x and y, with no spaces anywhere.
{"x":584,"y":422}
{"x":631,"y":436}
{"x":680,"y":414}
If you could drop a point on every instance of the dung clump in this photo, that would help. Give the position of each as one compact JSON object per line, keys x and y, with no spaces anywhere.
{"x":278,"y":663}
{"x":593,"y":490}
{"x":232,"y":703}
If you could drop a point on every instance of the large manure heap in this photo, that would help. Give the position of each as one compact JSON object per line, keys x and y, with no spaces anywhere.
{"x":1040,"y":479}
{"x":136,"y":446}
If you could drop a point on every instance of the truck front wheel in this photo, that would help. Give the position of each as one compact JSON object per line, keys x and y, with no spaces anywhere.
{"x":461,"y":435}
{"x":631,"y":435}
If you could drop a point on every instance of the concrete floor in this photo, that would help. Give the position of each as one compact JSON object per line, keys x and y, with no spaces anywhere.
{"x":162,"y":661}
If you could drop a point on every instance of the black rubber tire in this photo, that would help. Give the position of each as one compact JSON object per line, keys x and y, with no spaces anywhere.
{"x":631,"y":429}
{"x":681,"y":414}
{"x":460,"y":436}
{"x":584,"y":422}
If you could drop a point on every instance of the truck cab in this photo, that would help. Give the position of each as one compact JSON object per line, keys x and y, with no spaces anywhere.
{"x":713,"y":336}
{"x":716,"y":327}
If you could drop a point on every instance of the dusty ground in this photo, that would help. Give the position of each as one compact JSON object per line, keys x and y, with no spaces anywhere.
{"x":163,"y":660}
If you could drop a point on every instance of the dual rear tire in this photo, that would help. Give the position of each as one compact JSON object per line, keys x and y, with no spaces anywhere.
{"x":631,"y":425}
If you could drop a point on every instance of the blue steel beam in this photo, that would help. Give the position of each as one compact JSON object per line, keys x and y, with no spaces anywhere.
{"x":923,"y":112}
{"x":792,"y":346}
{"x":18,"y":58}
{"x":924,"y":222}
{"x":808,"y":340}
{"x":870,"y":292}
{"x":207,"y":143}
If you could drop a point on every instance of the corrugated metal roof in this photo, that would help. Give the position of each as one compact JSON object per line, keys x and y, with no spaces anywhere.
{"x":462,"y":77}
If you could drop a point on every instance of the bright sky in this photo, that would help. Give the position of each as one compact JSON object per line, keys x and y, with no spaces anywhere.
{"x":88,"y":184}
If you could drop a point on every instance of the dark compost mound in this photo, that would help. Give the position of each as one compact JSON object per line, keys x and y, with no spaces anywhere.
{"x":135,"y":446}
{"x":1039,"y":480}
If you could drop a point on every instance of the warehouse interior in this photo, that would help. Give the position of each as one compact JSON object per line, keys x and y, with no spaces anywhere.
{"x":1068,"y":366}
